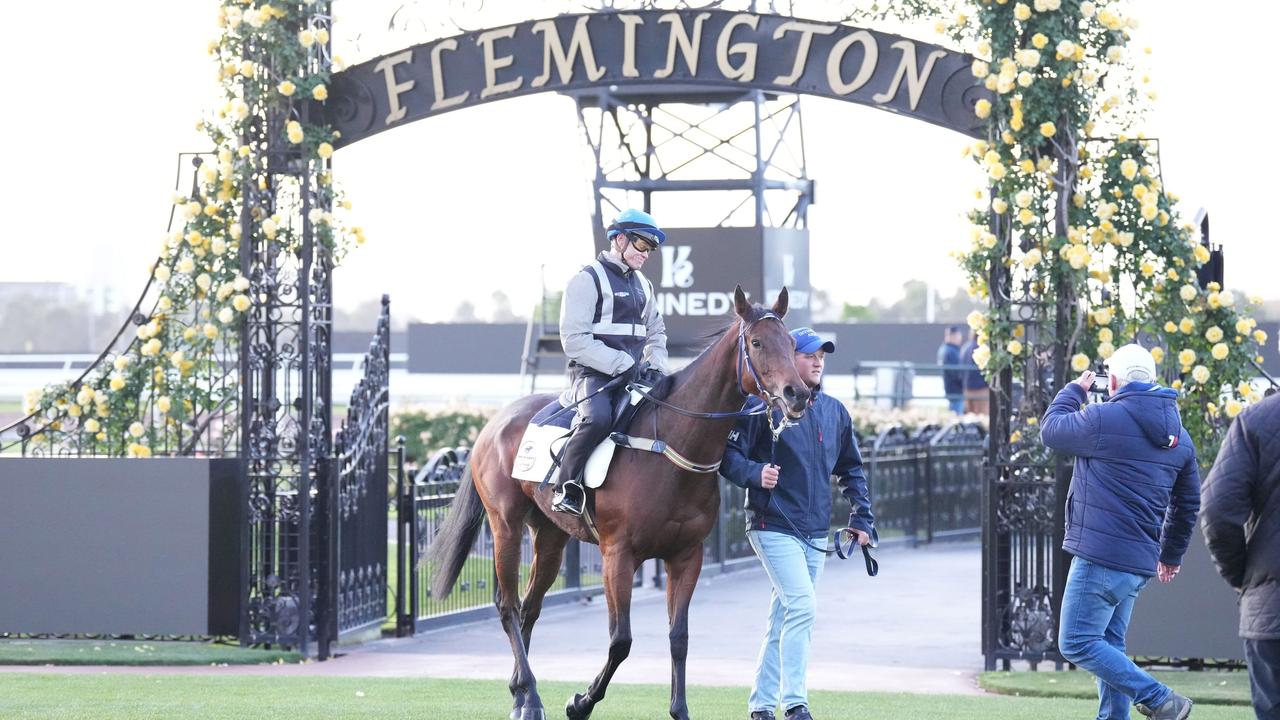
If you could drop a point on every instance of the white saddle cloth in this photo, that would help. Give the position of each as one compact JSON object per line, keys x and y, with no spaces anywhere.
{"x":541,"y":442}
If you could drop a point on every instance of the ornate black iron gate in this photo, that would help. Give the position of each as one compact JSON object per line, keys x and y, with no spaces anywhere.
{"x":355,"y":500}
{"x":286,"y":379}
{"x":1023,"y":569}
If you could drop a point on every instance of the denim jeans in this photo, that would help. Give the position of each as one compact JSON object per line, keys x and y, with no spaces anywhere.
{"x":1264,"y":677}
{"x":1095,"y":617}
{"x":793,"y":569}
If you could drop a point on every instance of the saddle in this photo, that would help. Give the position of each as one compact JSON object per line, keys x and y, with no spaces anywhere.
{"x":538,"y":457}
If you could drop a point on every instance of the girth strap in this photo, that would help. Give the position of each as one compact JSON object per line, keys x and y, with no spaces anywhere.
{"x":661,"y":448}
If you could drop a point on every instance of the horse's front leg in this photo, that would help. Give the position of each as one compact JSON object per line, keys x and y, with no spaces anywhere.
{"x":619,"y":574}
{"x":682,"y":577}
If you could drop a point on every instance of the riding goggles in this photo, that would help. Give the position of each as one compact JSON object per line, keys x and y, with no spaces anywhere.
{"x":642,"y":241}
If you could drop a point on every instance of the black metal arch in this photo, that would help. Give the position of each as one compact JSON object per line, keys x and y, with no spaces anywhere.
{"x":701,"y":55}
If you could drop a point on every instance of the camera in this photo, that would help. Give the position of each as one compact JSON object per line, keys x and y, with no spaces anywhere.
{"x":1101,"y":384}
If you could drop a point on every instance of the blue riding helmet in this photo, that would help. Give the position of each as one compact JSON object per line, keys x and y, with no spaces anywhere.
{"x":636,"y":222}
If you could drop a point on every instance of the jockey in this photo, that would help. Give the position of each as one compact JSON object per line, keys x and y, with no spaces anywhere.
{"x":609,"y":326}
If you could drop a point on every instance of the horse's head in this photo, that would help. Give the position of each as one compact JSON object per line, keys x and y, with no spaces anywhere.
{"x":767,"y":355}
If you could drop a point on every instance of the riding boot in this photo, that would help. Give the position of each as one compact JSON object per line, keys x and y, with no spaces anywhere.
{"x":569,"y":497}
{"x":570,"y":494}
{"x":594,"y":416}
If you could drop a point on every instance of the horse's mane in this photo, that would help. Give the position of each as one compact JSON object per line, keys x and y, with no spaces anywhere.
{"x":718,"y":332}
{"x":712,"y":337}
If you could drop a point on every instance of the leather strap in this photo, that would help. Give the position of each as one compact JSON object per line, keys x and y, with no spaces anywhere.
{"x":661,"y":448}
{"x":845,"y":551}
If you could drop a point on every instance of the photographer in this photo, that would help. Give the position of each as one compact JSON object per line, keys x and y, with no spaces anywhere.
{"x":1130,"y":512}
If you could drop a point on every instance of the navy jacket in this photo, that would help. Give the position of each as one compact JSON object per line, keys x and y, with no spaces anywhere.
{"x":952,"y":378}
{"x":973,"y":379}
{"x":808,"y":454}
{"x":1136,"y":487}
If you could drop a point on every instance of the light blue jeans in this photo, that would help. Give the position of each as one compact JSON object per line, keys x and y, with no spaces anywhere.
{"x":793,"y":570}
{"x":1095,"y":617}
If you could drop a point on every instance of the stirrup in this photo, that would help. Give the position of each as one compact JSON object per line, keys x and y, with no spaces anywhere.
{"x":561,"y":501}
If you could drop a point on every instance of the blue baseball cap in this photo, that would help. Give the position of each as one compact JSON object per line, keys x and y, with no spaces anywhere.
{"x":808,"y":341}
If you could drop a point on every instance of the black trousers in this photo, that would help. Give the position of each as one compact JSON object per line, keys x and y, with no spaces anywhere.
{"x":594,"y":417}
{"x":1264,"y":676}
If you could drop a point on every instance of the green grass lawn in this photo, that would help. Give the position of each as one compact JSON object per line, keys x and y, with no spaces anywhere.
{"x":141,"y":697}
{"x":1221,"y":688}
{"x":133,"y":652}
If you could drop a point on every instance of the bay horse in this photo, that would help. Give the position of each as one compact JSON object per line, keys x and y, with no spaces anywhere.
{"x":647,"y":508}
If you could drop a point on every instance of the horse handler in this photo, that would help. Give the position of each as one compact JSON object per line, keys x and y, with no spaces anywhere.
{"x":788,"y":515}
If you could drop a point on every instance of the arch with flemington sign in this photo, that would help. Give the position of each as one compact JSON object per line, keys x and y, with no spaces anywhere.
{"x":653,"y":50}
{"x":642,"y":59}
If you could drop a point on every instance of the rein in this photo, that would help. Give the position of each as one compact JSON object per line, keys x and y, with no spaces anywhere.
{"x":775,"y":429}
{"x":744,"y":359}
{"x":658,"y":446}
{"x":873,"y":566}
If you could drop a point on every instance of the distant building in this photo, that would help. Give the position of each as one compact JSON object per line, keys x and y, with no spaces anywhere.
{"x":54,"y":293}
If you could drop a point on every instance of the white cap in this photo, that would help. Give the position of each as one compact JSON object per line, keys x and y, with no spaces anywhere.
{"x":1132,"y":363}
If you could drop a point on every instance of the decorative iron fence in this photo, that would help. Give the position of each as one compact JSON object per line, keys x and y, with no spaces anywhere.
{"x":727,"y":545}
{"x":66,"y":429}
{"x":924,"y":486}
{"x":422,"y":507}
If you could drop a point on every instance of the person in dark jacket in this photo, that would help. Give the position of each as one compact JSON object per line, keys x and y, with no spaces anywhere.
{"x":1240,"y":518}
{"x":952,"y":375}
{"x":1131,"y":509}
{"x":977,"y":396}
{"x":788,"y":516}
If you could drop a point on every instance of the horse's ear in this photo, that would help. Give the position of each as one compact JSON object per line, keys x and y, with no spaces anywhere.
{"x":780,"y":305}
{"x":740,"y":302}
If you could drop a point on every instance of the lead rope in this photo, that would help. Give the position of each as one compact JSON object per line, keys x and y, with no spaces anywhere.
{"x":872,"y":565}
{"x":775,"y":431}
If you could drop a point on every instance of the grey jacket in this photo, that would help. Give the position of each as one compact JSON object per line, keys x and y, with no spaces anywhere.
{"x":579,"y":324}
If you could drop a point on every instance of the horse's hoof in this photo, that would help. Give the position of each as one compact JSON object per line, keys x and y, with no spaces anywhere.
{"x":529,"y":713}
{"x":576,"y":709}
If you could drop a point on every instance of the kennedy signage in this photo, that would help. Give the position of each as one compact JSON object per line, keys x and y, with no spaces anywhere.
{"x":710,"y":48}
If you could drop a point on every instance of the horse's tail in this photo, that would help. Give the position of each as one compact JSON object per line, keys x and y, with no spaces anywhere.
{"x":448,"y":552}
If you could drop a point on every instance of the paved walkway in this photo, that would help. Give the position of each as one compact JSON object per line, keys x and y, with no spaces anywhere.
{"x":914,"y":628}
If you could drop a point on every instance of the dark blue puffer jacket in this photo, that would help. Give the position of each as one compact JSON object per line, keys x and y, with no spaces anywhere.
{"x":809,"y":453}
{"x":1136,"y":487}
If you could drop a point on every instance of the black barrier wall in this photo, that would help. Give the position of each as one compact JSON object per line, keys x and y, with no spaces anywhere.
{"x":117,"y":546}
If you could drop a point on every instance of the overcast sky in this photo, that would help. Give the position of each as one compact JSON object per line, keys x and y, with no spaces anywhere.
{"x":103,"y":95}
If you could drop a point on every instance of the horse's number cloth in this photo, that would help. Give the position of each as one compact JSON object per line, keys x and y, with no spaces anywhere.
{"x":543,"y":442}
